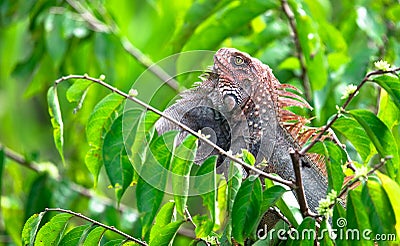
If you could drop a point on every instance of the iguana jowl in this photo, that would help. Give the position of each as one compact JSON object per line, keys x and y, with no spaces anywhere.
{"x":241,"y":104}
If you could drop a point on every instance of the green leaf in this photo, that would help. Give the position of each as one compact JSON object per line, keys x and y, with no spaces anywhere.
{"x":2,"y":161}
{"x":56,"y":43}
{"x":388,"y":112}
{"x":246,"y":209}
{"x":339,"y":222}
{"x":77,"y":91}
{"x":56,"y":119}
{"x":116,"y":162}
{"x":205,"y":184}
{"x":271,"y":196}
{"x":356,"y":135}
{"x":97,"y":126}
{"x":210,"y":34}
{"x":153,"y":178}
{"x":94,"y":237}
{"x":305,"y":233}
{"x":379,"y":208}
{"x":73,"y":236}
{"x":181,"y":165}
{"x":204,"y":226}
{"x":336,"y":158}
{"x":324,"y":233}
{"x":380,"y":136}
{"x":392,"y":190}
{"x":391,"y":84}
{"x":30,"y":229}
{"x":312,"y":47}
{"x":52,"y":231}
{"x":234,"y":182}
{"x":166,"y":234}
{"x":357,"y":219}
{"x":116,"y":242}
{"x":39,"y":195}
{"x":248,"y":157}
{"x":162,"y":219}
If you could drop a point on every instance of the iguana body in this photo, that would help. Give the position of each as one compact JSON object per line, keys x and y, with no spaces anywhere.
{"x":242,"y":105}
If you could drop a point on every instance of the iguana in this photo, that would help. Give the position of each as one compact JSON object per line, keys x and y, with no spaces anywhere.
{"x":241,"y":104}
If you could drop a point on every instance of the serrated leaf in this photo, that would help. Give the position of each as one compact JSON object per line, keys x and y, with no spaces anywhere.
{"x":391,"y":84}
{"x":246,"y":209}
{"x":356,"y":135}
{"x":77,"y":90}
{"x":153,"y":177}
{"x":116,"y":162}
{"x":30,"y":229}
{"x":181,"y":165}
{"x":52,"y":231}
{"x":162,"y":219}
{"x":56,"y":119}
{"x":248,"y":157}
{"x":97,"y":126}
{"x":379,"y":208}
{"x":94,"y":237}
{"x":380,"y":136}
{"x":73,"y":236}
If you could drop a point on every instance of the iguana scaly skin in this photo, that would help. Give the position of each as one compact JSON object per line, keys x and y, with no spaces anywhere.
{"x":242,"y":105}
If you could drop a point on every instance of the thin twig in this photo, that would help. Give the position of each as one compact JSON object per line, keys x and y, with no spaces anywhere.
{"x":346,"y":103}
{"x":351,"y":183}
{"x":18,"y":158}
{"x":180,"y":124}
{"x":111,"y":228}
{"x":301,"y":197}
{"x":99,"y":26}
{"x":303,"y":76}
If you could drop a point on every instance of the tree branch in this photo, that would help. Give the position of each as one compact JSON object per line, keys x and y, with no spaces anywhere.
{"x":99,"y":26}
{"x":18,"y":158}
{"x":111,"y":228}
{"x":181,"y":125}
{"x":301,"y":197}
{"x":346,"y":103}
{"x":303,"y":76}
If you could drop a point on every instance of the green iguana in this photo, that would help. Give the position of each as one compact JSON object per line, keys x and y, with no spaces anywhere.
{"x":241,"y":104}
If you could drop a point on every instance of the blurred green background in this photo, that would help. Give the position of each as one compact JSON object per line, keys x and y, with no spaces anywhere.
{"x":40,"y":41}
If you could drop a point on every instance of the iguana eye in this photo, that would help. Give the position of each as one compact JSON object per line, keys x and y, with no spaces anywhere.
{"x":238,"y":60}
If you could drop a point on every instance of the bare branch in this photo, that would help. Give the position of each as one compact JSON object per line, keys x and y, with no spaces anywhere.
{"x":180,"y":124}
{"x":301,"y":197}
{"x":346,"y":103}
{"x":111,"y":228}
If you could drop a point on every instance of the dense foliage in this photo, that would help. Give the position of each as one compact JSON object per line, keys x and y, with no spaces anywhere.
{"x":79,"y":144}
